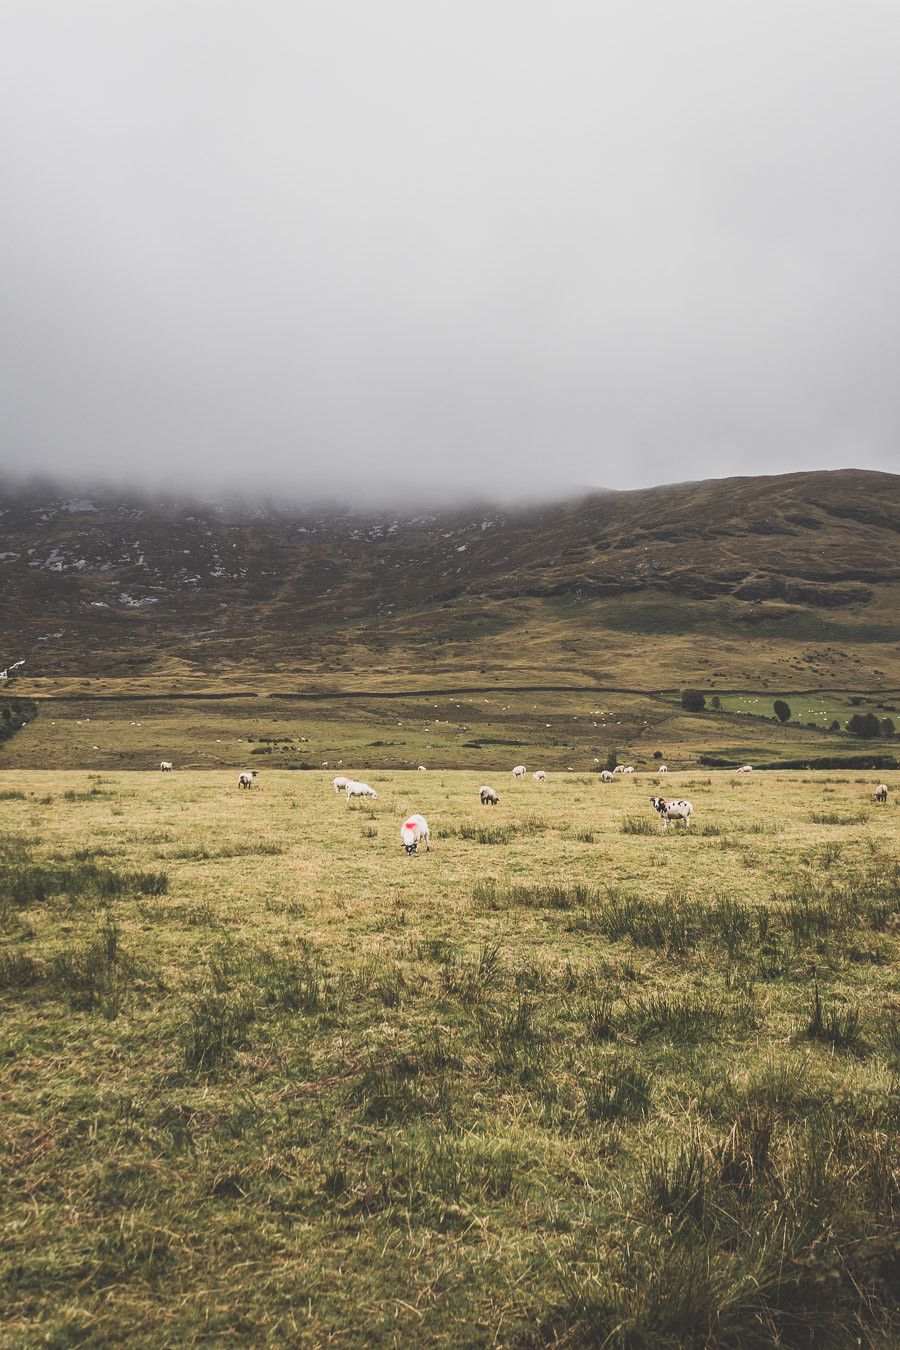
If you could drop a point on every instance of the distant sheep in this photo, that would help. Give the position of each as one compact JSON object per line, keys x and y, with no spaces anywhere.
{"x":672,"y":811}
{"x":746,"y":768}
{"x":620,"y":768}
{"x":246,"y":777}
{"x":539,"y":776}
{"x":881,"y":792}
{"x":519,"y":771}
{"x":340,"y":783}
{"x":662,"y":769}
{"x":488,"y":797}
{"x":360,"y":790}
{"x":606,"y":776}
{"x":423,"y":768}
{"x":629,"y":768}
{"x":166,"y":766}
{"x":413,"y":832}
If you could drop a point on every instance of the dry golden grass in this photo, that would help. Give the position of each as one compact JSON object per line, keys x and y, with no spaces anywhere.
{"x":266,"y":1079}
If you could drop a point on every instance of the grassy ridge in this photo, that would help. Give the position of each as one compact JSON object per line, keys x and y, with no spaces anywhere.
{"x":558,"y":1082}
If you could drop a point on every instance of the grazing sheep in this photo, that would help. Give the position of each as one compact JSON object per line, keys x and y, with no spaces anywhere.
{"x":662,"y":769}
{"x":360,"y":790}
{"x":539,"y":776}
{"x":412,"y":833}
{"x":488,"y":797}
{"x":423,"y":768}
{"x":881,"y":792}
{"x":340,"y":782}
{"x":166,"y":766}
{"x":620,"y":768}
{"x":746,"y":768}
{"x":629,"y":768}
{"x":672,"y":811}
{"x":519,"y":771}
{"x":246,"y":777}
{"x":606,"y":776}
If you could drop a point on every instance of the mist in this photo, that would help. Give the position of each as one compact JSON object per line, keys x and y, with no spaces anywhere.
{"x":406,"y":253}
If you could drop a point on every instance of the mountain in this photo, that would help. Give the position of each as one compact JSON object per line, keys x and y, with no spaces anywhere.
{"x":793,"y":578}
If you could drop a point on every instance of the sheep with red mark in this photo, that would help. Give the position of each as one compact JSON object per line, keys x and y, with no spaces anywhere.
{"x":413,"y":832}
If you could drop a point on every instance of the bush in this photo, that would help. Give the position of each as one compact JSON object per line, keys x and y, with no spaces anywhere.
{"x":887,"y":727}
{"x":782,"y":710}
{"x":864,"y":724}
{"x":693,"y":700}
{"x":716,"y":702}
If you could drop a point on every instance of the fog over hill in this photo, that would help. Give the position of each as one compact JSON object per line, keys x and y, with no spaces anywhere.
{"x":110,"y":583}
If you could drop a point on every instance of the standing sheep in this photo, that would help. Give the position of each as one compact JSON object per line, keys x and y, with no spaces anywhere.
{"x":360,"y":790}
{"x":246,"y":777}
{"x":519,"y":771}
{"x":881,"y":792}
{"x":488,"y":797}
{"x":413,"y":832}
{"x":672,"y":811}
{"x":539,"y":776}
{"x":606,"y":776}
{"x":166,"y":766}
{"x":340,"y":783}
{"x":662,"y":769}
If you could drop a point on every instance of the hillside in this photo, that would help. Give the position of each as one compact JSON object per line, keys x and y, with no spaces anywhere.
{"x":791,"y":580}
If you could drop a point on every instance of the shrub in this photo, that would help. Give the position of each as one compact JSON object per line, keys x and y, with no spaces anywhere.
{"x":782,"y":710}
{"x":693,"y":700}
{"x":864,"y":725}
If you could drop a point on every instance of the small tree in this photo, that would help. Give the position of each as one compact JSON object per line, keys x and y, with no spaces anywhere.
{"x":835,"y":725}
{"x":612,"y":758}
{"x":657,"y":754}
{"x":693,"y":700}
{"x":782,"y":711}
{"x":864,"y":724}
{"x":716,"y":702}
{"x":887,"y":727}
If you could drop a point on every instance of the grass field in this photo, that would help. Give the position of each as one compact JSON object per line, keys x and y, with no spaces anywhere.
{"x":566,"y":1079}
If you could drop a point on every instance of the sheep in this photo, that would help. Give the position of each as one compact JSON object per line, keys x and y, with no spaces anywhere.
{"x":423,"y":768}
{"x":672,"y":811}
{"x":488,"y":796}
{"x":620,"y":768}
{"x":606,"y":776}
{"x":246,"y":777}
{"x":629,"y":768}
{"x":539,"y":776}
{"x":881,"y":792}
{"x":412,"y":832}
{"x":340,"y":783}
{"x":519,"y":771}
{"x":166,"y":766}
{"x":745,"y":768}
{"x":360,"y":790}
{"x":662,"y":769}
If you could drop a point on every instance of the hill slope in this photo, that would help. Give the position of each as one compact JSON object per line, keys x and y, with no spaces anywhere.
{"x":650,"y":588}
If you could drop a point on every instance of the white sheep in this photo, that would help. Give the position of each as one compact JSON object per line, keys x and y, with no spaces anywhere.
{"x":423,"y":768}
{"x":629,"y":768}
{"x":539,"y":776}
{"x":881,"y":792}
{"x":413,"y":832}
{"x":246,"y":777}
{"x":355,"y":789}
{"x":606,"y":776}
{"x":620,"y":768}
{"x":672,"y":811}
{"x":662,"y":769}
{"x":488,"y":796}
{"x":340,"y":783}
{"x":745,"y":768}
{"x":519,"y":771}
{"x":166,"y":766}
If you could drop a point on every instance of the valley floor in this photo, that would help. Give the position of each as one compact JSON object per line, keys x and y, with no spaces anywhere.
{"x":565,"y":1079}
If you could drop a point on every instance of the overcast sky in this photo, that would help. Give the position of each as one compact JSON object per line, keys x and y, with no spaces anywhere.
{"x":431,"y":247}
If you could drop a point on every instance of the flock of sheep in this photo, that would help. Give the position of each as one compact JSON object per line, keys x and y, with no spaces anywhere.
{"x":414,"y":830}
